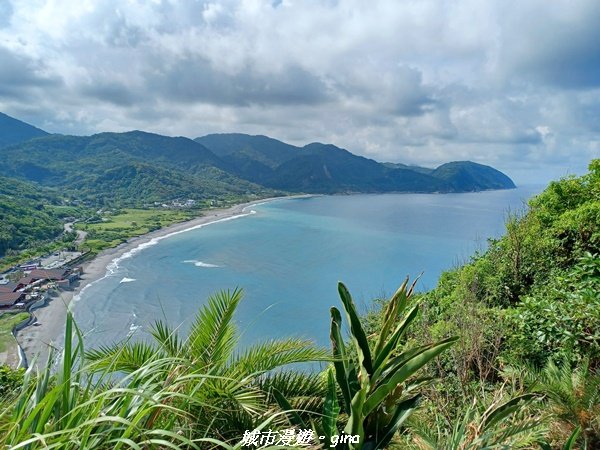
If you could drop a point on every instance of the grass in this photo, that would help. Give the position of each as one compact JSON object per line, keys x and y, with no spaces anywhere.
{"x":128,"y":223}
{"x":7,"y":323}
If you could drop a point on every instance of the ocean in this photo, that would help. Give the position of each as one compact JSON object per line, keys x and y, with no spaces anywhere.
{"x":288,"y":255}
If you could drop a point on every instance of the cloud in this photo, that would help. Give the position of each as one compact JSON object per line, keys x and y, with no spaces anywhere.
{"x":556,"y":43}
{"x":510,"y":83}
{"x":19,"y":74}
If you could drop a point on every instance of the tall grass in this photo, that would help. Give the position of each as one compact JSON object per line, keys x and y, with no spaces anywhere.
{"x":74,"y":409}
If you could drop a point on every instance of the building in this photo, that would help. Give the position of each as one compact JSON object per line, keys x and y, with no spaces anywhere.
{"x":9,"y":299}
{"x":63,"y":277}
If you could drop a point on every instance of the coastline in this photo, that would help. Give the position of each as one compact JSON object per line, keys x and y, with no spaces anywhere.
{"x":35,"y":341}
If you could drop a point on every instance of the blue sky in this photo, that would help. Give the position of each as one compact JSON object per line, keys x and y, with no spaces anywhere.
{"x":512,"y":84}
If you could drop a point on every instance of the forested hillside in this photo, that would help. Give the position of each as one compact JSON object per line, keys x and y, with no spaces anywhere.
{"x":527,"y":313}
{"x":325,"y":168}
{"x":27,"y":216}
{"x":125,"y":169}
{"x":13,"y":131}
{"x":502,"y":354}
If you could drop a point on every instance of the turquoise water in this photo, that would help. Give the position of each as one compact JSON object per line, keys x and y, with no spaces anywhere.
{"x":288,"y":256}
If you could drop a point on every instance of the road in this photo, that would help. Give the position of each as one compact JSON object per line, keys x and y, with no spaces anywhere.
{"x":81,"y":235}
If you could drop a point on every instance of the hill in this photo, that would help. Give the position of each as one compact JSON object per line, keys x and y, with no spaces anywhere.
{"x":131,"y":168}
{"x":26,"y":215}
{"x":138,"y":168}
{"x":470,"y":176}
{"x":13,"y":131}
{"x":325,"y":168}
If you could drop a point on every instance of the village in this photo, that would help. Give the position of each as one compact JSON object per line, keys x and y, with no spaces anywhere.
{"x":30,"y":284}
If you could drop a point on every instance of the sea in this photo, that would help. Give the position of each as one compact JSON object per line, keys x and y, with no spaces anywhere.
{"x":287,"y":255}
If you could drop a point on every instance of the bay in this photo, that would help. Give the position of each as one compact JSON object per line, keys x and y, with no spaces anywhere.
{"x":288,"y":255}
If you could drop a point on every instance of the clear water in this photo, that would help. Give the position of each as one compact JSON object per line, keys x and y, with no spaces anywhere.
{"x":288,"y":257}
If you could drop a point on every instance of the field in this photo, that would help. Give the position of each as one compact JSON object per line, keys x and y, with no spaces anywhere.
{"x":7,"y":323}
{"x":113,"y":229}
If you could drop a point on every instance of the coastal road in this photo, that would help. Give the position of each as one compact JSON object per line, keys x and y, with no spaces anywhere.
{"x":81,"y":235}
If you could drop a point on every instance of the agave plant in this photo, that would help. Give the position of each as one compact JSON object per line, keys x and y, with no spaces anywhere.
{"x":379,"y":388}
{"x":237,"y":392}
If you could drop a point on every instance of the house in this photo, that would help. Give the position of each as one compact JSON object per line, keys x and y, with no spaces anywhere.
{"x":63,"y":277}
{"x":8,"y":287}
{"x":8,"y":299}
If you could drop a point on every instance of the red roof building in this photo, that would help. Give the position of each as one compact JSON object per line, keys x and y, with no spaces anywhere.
{"x":8,"y":299}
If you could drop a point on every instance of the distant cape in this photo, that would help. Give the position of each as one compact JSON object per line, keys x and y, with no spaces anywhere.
{"x":137,"y":168}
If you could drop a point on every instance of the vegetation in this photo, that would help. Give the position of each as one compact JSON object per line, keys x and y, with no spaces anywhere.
{"x":13,"y":131}
{"x":527,"y":313}
{"x":7,"y":324}
{"x":26,"y":216}
{"x":320,"y":168}
{"x":116,"y":226}
{"x":503,"y":353}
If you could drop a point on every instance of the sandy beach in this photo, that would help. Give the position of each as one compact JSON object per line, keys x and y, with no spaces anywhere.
{"x":37,"y":340}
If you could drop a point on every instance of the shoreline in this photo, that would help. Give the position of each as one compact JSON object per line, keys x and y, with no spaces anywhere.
{"x":35,"y":341}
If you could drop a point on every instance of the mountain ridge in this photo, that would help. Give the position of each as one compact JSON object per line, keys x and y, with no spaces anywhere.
{"x":13,"y":131}
{"x":137,"y":167}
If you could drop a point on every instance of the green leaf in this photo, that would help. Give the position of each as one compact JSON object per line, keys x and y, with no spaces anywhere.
{"x":403,"y":372}
{"x":572,"y":441}
{"x":505,"y":410}
{"x":394,"y":308}
{"x":383,"y":355}
{"x":331,"y":409}
{"x":340,"y":363}
{"x":403,"y":411}
{"x":356,"y":329}
{"x":292,"y":414}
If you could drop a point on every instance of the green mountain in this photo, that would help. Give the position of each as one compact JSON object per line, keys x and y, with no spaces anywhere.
{"x":137,"y":168}
{"x":322,"y":168}
{"x":470,"y":176}
{"x":13,"y":131}
{"x":131,"y":168}
{"x":26,"y":214}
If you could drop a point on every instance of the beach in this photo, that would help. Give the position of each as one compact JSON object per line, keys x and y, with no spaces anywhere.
{"x":36,"y":340}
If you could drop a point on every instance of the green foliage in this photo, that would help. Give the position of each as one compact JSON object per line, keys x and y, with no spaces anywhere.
{"x":10,"y":381}
{"x":73,"y":410}
{"x":502,"y":424}
{"x":129,"y":169}
{"x":559,"y":320}
{"x":379,"y":388}
{"x":238,"y":396}
{"x":26,"y":218}
{"x":572,"y":395}
{"x":8,"y":321}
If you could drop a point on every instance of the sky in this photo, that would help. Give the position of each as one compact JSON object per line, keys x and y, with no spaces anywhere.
{"x":510,"y":83}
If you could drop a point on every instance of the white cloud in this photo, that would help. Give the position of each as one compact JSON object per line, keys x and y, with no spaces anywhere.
{"x":510,"y":83}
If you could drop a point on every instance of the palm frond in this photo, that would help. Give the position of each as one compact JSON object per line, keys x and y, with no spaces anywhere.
{"x":127,"y":357}
{"x":273,"y":354}
{"x":212,"y":336}
{"x":167,"y":338}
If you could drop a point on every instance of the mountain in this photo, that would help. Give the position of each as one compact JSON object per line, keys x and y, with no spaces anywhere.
{"x":26,"y":214}
{"x":469,"y":176}
{"x":129,"y":169}
{"x":325,"y":168}
{"x":136,"y":168}
{"x":13,"y":131}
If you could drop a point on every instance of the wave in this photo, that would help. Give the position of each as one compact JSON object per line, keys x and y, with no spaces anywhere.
{"x":200,"y":263}
{"x":114,"y":265}
{"x":132,"y":329}
{"x":127,"y":280}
